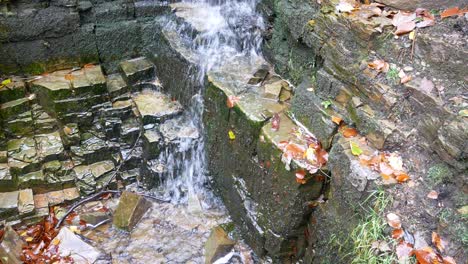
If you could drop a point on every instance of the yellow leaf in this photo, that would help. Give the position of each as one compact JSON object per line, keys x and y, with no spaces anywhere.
{"x":463,"y":113}
{"x":231,"y":134}
{"x":29,"y":239}
{"x":75,"y":229}
{"x":5,"y":82}
{"x":355,"y":149}
{"x":56,"y":241}
{"x":310,"y":155}
{"x":412,"y":34}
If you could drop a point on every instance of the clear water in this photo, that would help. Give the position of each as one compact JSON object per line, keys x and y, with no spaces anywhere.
{"x":216,"y":33}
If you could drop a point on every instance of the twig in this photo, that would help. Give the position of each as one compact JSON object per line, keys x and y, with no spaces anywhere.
{"x":412,"y":46}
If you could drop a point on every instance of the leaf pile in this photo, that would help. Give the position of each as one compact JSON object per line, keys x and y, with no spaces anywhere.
{"x":424,"y":255}
{"x":307,"y":152}
{"x":39,"y":248}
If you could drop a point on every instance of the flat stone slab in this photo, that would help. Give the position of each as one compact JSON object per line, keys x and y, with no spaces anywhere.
{"x":116,"y":85}
{"x":97,"y":169}
{"x":11,"y":110}
{"x":71,"y":245}
{"x":130,"y":210}
{"x":49,"y":146}
{"x":137,"y":70}
{"x":156,"y":107}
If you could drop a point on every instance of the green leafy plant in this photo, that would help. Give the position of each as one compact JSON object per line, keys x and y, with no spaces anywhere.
{"x":326,"y":103}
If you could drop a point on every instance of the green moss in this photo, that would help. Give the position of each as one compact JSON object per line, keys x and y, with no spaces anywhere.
{"x":439,"y":173}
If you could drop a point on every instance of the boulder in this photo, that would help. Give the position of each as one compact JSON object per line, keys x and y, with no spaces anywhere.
{"x":11,"y":247}
{"x":130,"y":210}
{"x":217,"y":245}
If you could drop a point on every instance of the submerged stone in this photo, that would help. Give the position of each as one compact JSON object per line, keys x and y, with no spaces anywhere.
{"x":130,"y":210}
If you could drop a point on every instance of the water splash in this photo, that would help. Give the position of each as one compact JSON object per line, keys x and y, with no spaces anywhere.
{"x":215,"y":33}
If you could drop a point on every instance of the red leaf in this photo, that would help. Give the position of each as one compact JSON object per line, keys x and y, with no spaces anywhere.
{"x":275,"y":122}
{"x":427,"y":255}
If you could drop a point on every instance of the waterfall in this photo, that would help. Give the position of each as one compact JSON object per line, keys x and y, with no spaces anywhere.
{"x":216,"y":32}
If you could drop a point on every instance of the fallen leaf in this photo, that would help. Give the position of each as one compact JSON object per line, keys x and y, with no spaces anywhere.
{"x":56,"y":241}
{"x":449,"y":260}
{"x":275,"y":122}
{"x":69,"y":77}
{"x":300,"y":174}
{"x":385,"y":169}
{"x":379,"y":65}
{"x":403,"y":250}
{"x":344,"y":7}
{"x":426,"y":255}
{"x":404,"y":22}
{"x":463,"y":113}
{"x":89,"y":65}
{"x":67,"y":130}
{"x":395,"y":161}
{"x":426,"y":86}
{"x":232,"y":101}
{"x":402,"y":177}
{"x":412,"y":35}
{"x":406,"y":79}
{"x":433,"y":195}
{"x":355,"y":149}
{"x":393,"y":220}
{"x":231,"y":135}
{"x":397,"y":233}
{"x":450,"y":12}
{"x":350,"y":132}
{"x":427,"y":18}
{"x":337,"y":120}
{"x":438,"y":242}
{"x":5,"y":82}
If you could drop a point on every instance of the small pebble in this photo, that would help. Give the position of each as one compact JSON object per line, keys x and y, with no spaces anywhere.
{"x":408,"y":68}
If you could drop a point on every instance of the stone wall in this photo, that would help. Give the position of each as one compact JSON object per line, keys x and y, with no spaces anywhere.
{"x":46,"y":35}
{"x":326,"y":54}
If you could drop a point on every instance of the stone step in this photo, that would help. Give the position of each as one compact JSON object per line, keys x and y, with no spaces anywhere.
{"x":155,"y":107}
{"x":137,"y":70}
{"x":16,"y":204}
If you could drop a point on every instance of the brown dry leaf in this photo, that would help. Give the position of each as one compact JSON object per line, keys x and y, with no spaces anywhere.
{"x":449,"y":260}
{"x":337,"y":120}
{"x":404,"y":22}
{"x":232,"y":101}
{"x":427,"y":18}
{"x":406,"y":79}
{"x":433,"y":195}
{"x":438,"y":242}
{"x":403,"y":250}
{"x":393,"y":220}
{"x":350,"y":132}
{"x":402,"y":177}
{"x":379,"y":65}
{"x":69,"y":77}
{"x":397,"y":233}
{"x":275,"y":122}
{"x":453,"y":12}
{"x":426,"y":255}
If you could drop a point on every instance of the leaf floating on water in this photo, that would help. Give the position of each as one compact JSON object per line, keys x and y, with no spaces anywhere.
{"x":232,"y":101}
{"x":231,"y":135}
{"x":275,"y":122}
{"x":393,"y":220}
{"x":355,"y":149}
{"x":350,"y":132}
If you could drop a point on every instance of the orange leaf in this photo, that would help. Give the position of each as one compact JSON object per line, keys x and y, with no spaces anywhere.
{"x":294,"y":150}
{"x":437,"y":241}
{"x":397,"y":233}
{"x":427,"y":255}
{"x":393,"y":220}
{"x":69,"y":77}
{"x":450,"y":12}
{"x":433,"y":195}
{"x":406,"y":79}
{"x":89,"y":65}
{"x":300,"y":174}
{"x":349,"y":132}
{"x":379,"y":65}
{"x":337,"y":120}
{"x":402,"y":177}
{"x":232,"y":101}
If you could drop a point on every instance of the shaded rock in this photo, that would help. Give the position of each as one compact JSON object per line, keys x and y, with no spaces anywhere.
{"x":11,"y":247}
{"x":130,"y":210}
{"x":49,"y":146}
{"x":151,"y":141}
{"x":12,"y":91}
{"x":137,"y":70}
{"x":116,"y":85}
{"x":94,"y":218}
{"x":217,"y":245}
{"x":156,"y":107}
{"x":11,"y":110}
{"x":71,"y":245}
{"x":35,"y":180}
{"x":8,"y":204}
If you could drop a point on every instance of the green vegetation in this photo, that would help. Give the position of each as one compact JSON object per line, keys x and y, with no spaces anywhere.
{"x":392,"y":75}
{"x":326,"y":103}
{"x":455,"y":223}
{"x":439,"y":173}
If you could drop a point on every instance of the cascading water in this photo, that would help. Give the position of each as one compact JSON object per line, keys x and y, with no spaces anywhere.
{"x":216,"y":32}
